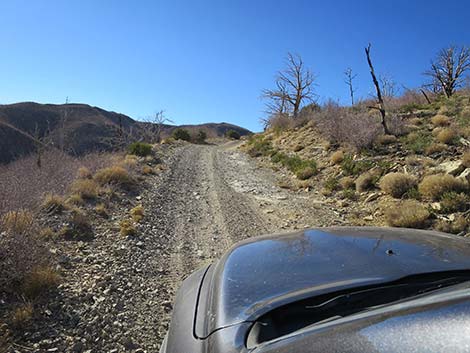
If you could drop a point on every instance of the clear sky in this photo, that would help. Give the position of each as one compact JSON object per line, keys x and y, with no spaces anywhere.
{"x":207,"y":61}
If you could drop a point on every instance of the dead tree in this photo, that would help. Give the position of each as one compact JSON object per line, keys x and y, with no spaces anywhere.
{"x":294,"y":86}
{"x":388,"y":86}
{"x":349,"y":81}
{"x":448,"y":69}
{"x":380,"y":101}
{"x":154,"y":126}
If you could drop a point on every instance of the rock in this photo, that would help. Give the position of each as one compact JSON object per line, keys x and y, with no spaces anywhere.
{"x":436,"y":206}
{"x":465,"y":174}
{"x":452,"y":167}
{"x":369,"y":218}
{"x":464,"y":142}
{"x":78,"y":347}
{"x":372,"y":197}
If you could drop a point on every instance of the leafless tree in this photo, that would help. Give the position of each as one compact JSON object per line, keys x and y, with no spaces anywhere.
{"x":380,"y":101}
{"x":294,"y":86}
{"x":448,"y":69}
{"x":154,"y":126}
{"x":349,"y":81}
{"x":388,"y":86}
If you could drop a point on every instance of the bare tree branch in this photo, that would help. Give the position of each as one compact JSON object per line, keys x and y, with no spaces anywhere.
{"x":349,"y":81}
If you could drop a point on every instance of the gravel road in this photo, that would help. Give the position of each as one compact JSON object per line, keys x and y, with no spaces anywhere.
{"x":118,"y":291}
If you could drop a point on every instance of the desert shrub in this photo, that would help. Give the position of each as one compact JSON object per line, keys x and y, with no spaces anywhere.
{"x":412,"y":193}
{"x":440,"y":120}
{"x":137,"y":213}
{"x":147,"y":170}
{"x":454,"y":202}
{"x":279,"y":122}
{"x":386,"y":139}
{"x":21,"y":315}
{"x":46,"y":233}
{"x":130,"y":162}
{"x":53,"y":203}
{"x":435,"y":148}
{"x":114,"y":175}
{"x":75,"y":199}
{"x":466,"y":160}
{"x":459,"y":225}
{"x":331,"y":184}
{"x":78,"y":227}
{"x":354,"y":167}
{"x":413,"y":160}
{"x":396,"y":125}
{"x":232,"y":134}
{"x":366,"y":181}
{"x":337,"y":157}
{"x":356,"y":128}
{"x":181,"y":134}
{"x":17,"y":221}
{"x":84,"y":173}
{"x":258,"y":146}
{"x":39,"y":280}
{"x":407,"y":214}
{"x":200,"y":137}
{"x":417,"y":141}
{"x":305,"y":173}
{"x":126,"y":227}
{"x":447,"y":136}
{"x":140,"y":149}
{"x":435,"y":186}
{"x":349,"y":194}
{"x":347,"y":183}
{"x":101,"y":210}
{"x":397,"y":184}
{"x":85,"y":188}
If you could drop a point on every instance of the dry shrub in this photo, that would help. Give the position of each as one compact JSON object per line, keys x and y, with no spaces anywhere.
{"x":305,"y":173}
{"x":279,"y":122}
{"x":396,"y":125}
{"x":347,"y":183}
{"x":137,"y":213}
{"x":21,"y":315}
{"x":415,"y":121}
{"x":298,"y":148}
{"x":413,"y":161}
{"x":366,"y":181}
{"x":126,"y":227}
{"x":466,"y":160}
{"x":408,"y":214}
{"x":54,"y":203}
{"x":397,"y":184}
{"x":84,"y":173}
{"x":454,"y":202}
{"x":435,"y":186}
{"x":75,"y":199}
{"x":85,"y":188}
{"x":440,"y":120}
{"x":17,"y":221}
{"x":148,"y":170}
{"x":435,"y":148}
{"x":356,"y":128}
{"x":47,"y":233}
{"x":337,"y":157}
{"x":386,"y":139}
{"x":459,"y":225}
{"x":130,"y":161}
{"x":115,"y":175}
{"x":78,"y":227}
{"x":446,"y":136}
{"x":101,"y":210}
{"x":40,"y":280}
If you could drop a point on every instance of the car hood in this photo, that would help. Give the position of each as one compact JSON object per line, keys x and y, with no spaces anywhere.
{"x":263,"y":273}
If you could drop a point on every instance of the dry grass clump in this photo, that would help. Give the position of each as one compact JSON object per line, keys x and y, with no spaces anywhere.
{"x":40,"y":280}
{"x":435,"y":148}
{"x":101,"y":210}
{"x":148,"y":170}
{"x":466,"y":160}
{"x":85,"y":188}
{"x":454,"y":202}
{"x":347,"y":183}
{"x":75,"y":199}
{"x":366,"y":181}
{"x":17,"y":221}
{"x":397,"y":184}
{"x":46,"y":233}
{"x":337,"y":157}
{"x":54,"y":203}
{"x":78,"y":227}
{"x":305,"y":173}
{"x":435,"y":186}
{"x":137,"y":213}
{"x":21,"y":315}
{"x":298,"y":148}
{"x":84,"y":173}
{"x":126,"y":227}
{"x":459,"y":225}
{"x":413,"y":160}
{"x":114,"y":175}
{"x":446,"y":136}
{"x":130,"y":161}
{"x":407,"y":214}
{"x":386,"y":139}
{"x":440,"y":120}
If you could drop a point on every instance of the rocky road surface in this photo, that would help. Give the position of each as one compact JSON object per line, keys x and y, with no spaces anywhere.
{"x":118,"y":291}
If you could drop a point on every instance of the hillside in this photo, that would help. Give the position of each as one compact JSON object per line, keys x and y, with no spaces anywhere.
{"x":76,"y":129}
{"x":417,"y":179}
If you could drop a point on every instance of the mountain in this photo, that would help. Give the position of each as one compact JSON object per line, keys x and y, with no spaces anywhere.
{"x":76,"y":128}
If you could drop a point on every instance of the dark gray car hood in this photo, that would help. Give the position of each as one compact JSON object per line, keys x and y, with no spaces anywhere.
{"x":263,"y":273}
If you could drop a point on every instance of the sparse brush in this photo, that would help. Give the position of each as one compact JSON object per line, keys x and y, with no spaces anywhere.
{"x":148,"y":170}
{"x":440,"y":120}
{"x":85,"y":188}
{"x":21,"y":315}
{"x":127,"y":227}
{"x":347,"y":183}
{"x":40,"y":280}
{"x":407,"y":214}
{"x":435,"y":148}
{"x":78,"y":227}
{"x":366,"y":181}
{"x":84,"y":173}
{"x":101,"y":210}
{"x":115,"y":175}
{"x":459,"y":225}
{"x":337,"y":157}
{"x":331,"y":184}
{"x":434,"y":186}
{"x":397,"y":184}
{"x":47,"y":233}
{"x":447,"y":136}
{"x":140,"y":149}
{"x":454,"y":202}
{"x":413,"y":161}
{"x":349,"y":194}
{"x":355,"y":167}
{"x":417,"y":141}
{"x":305,"y":173}
{"x":54,"y":203}
{"x":130,"y":162}
{"x":17,"y":221}
{"x":466,"y":160}
{"x":386,"y":139}
{"x":75,"y":199}
{"x":137,"y":213}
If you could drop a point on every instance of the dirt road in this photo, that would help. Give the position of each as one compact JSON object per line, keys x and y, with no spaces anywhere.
{"x":118,"y":291}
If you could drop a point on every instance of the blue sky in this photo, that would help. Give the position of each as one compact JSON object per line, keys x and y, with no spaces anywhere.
{"x":209,"y":60}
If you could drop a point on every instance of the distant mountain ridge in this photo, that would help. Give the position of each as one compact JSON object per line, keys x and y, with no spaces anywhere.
{"x":76,"y":128}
